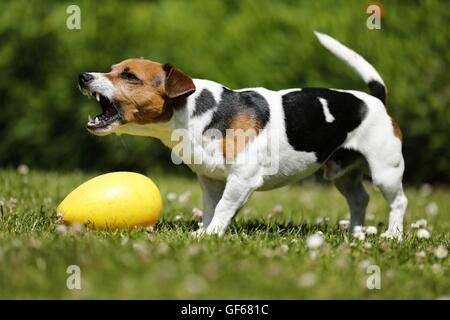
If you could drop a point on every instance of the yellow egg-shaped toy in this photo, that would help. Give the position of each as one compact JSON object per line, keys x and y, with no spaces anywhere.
{"x":113,"y":200}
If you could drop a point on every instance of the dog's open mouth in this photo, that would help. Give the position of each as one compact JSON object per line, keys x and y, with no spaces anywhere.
{"x":110,"y":113}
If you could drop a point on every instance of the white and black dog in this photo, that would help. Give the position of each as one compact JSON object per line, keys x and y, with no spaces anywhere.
{"x":293,"y":133}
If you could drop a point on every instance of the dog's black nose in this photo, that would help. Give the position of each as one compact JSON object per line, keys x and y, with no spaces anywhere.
{"x":84,"y":78}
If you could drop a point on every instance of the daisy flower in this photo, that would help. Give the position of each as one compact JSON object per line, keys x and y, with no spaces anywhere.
{"x":425,"y":190}
{"x":184,"y":197}
{"x":197,"y":213}
{"x":423,"y":234}
{"x":367,"y":245}
{"x":420,"y":256}
{"x":307,"y":280}
{"x":441,"y":252}
{"x":23,"y":169}
{"x":315,"y":241}
{"x":421,"y":223}
{"x":432,"y":209}
{"x":344,"y":224}
{"x":371,"y":230}
{"x":61,"y":229}
{"x":171,"y":196}
{"x":358,"y":233}
{"x":12,"y":202}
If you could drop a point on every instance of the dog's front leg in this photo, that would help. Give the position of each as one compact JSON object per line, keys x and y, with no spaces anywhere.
{"x":212,"y":191}
{"x":236,"y":193}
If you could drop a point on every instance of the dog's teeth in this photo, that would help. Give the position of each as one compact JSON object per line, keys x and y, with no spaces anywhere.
{"x":97,"y":96}
{"x":89,"y":118}
{"x":97,"y":121}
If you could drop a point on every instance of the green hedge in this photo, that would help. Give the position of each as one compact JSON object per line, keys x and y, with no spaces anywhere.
{"x":238,"y":43}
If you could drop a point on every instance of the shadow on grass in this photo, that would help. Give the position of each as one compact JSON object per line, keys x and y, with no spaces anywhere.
{"x":252,"y":226}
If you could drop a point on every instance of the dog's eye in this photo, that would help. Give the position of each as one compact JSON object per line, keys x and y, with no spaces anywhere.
{"x":128,"y":76}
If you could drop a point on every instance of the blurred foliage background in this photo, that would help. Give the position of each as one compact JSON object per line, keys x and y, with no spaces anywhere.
{"x":240,"y":43}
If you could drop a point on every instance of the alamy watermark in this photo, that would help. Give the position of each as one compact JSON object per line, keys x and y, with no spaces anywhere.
{"x":374,"y":279}
{"x":374,"y":20}
{"x":214,"y":148}
{"x":73,"y":21}
{"x":73,"y":281}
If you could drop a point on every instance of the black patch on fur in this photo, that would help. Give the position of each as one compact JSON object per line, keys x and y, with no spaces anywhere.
{"x":204,"y":102}
{"x":232,"y":102}
{"x":377,"y":90}
{"x":346,"y":157}
{"x":306,"y":127}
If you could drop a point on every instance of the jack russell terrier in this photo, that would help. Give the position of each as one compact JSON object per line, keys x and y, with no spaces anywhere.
{"x":294,"y":132}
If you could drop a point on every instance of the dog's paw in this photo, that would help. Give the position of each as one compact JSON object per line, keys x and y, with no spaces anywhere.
{"x":392,"y":234}
{"x":215,"y":230}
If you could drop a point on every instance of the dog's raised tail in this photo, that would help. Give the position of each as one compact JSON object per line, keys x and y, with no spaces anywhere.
{"x":376,"y":85}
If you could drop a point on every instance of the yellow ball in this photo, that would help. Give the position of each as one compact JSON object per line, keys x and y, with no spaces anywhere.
{"x":113,"y":200}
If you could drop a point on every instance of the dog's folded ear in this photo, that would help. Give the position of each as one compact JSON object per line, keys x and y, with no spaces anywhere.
{"x":178,"y":84}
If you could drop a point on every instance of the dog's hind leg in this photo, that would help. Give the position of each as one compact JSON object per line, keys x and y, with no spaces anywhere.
{"x":351,"y":187}
{"x":388,"y":178}
{"x":383,"y":152}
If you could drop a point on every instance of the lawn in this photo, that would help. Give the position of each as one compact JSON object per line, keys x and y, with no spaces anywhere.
{"x":263,"y":256}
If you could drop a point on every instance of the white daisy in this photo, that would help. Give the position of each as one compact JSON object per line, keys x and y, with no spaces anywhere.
{"x":441,"y":252}
{"x":184,"y":197}
{"x":23,"y":169}
{"x":76,"y":228}
{"x":358,"y":233}
{"x":372,"y":230}
{"x":171,"y":196}
{"x":422,"y":223}
{"x":344,"y":224}
{"x":12,"y":202}
{"x":315,"y":241}
{"x":436,"y":268}
{"x":307,"y":280}
{"x":425,"y":190}
{"x":420,"y":255}
{"x":432,"y":209}
{"x":197,"y":213}
{"x":361,"y":236}
{"x":423,"y":234}
{"x":284,"y":248}
{"x":367,"y":245}
{"x":61,"y":229}
{"x":365,"y":264}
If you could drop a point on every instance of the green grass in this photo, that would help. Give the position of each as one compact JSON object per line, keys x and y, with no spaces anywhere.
{"x":263,"y":256}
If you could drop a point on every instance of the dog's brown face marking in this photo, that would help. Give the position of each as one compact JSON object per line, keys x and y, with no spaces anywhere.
{"x":242,"y":129}
{"x":145,"y":89}
{"x":397,"y":131}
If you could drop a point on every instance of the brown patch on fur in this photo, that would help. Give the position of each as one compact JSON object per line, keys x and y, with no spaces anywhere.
{"x":147,"y":100}
{"x":397,"y":131}
{"x":242,"y":129}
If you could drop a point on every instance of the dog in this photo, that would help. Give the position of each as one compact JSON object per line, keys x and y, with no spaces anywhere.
{"x":347,"y":132}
